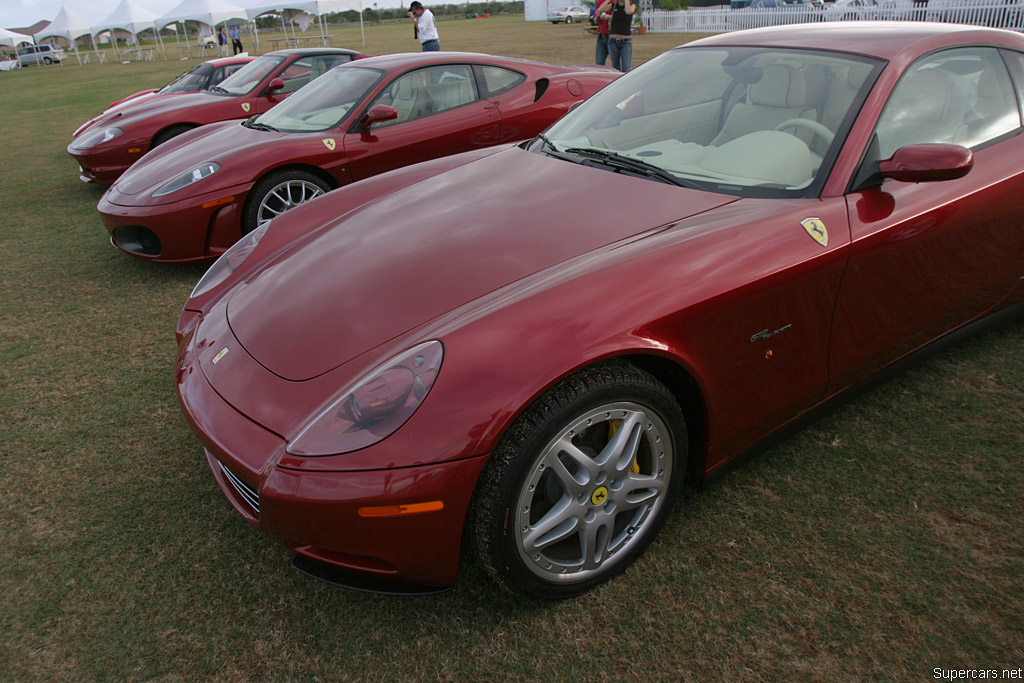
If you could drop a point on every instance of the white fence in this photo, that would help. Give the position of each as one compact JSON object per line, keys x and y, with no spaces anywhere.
{"x":997,"y":13}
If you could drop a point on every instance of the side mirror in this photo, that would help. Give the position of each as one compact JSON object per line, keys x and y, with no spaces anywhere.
{"x":275,"y":85}
{"x":378,"y":113}
{"x":927,"y":163}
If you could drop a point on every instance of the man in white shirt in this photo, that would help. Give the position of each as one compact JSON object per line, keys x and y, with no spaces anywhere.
{"x":426,"y":31}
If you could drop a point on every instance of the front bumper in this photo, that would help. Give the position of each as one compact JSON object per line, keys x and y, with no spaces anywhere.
{"x":317,"y":513}
{"x":104,"y":165}
{"x":187,"y":231}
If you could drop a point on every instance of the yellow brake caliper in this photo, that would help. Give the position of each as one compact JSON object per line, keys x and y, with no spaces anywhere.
{"x":613,"y":426}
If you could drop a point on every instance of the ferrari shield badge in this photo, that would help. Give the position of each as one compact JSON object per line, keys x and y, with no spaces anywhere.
{"x":815,"y":227}
{"x":329,"y":143}
{"x":220,"y":354}
{"x":245,"y":107}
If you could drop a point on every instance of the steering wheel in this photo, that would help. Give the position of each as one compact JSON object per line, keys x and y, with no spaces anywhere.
{"x":808,"y":124}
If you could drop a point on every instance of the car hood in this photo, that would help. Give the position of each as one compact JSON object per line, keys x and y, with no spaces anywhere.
{"x":213,"y":142}
{"x":159,"y":104}
{"x":405,"y":258}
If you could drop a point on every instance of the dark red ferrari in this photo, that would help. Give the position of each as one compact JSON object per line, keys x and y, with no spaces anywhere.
{"x":461,"y":350}
{"x":200,"y":77}
{"x":191,"y":200}
{"x":109,"y":146}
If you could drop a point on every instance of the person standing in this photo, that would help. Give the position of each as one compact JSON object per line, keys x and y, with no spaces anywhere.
{"x":236,"y":40}
{"x":426,"y":31}
{"x":222,"y":43}
{"x":602,"y":13}
{"x":620,"y":41}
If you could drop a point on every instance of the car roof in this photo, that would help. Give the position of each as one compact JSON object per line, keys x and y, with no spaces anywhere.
{"x":221,"y":61}
{"x":881,"y":39}
{"x":404,"y":59}
{"x":313,"y":51}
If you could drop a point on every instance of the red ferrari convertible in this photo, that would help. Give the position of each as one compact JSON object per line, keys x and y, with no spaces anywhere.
{"x":775,"y":216}
{"x":118,"y":140}
{"x":191,"y":200}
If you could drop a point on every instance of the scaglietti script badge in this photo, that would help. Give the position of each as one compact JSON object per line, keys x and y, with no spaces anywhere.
{"x":815,"y":227}
{"x":220,"y":354}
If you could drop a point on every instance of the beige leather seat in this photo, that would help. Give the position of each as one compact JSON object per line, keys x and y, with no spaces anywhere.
{"x":781,"y":94}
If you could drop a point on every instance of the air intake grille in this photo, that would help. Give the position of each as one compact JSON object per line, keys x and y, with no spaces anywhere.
{"x":244,"y":490}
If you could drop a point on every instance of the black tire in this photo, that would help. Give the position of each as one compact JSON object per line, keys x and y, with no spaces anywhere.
{"x":168,"y":133}
{"x":47,"y":60}
{"x":260,"y":196}
{"x":568,"y":20}
{"x":529,"y":484}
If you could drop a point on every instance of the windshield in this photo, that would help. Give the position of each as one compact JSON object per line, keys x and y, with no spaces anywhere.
{"x":324,"y":103}
{"x":190,"y":81}
{"x":741,"y":121}
{"x":245,"y":80}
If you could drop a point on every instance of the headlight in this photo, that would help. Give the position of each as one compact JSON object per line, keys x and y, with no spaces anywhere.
{"x":203,"y":170}
{"x":374,"y":407}
{"x":100,"y":137}
{"x":229,"y":261}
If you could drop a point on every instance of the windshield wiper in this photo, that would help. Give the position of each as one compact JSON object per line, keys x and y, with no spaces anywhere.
{"x":637,"y":165}
{"x":217,"y":88}
{"x":544,"y":138}
{"x":256,"y":125}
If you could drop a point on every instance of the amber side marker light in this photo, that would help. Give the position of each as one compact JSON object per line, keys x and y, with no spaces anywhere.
{"x":396,"y":510}
{"x":218,"y":202}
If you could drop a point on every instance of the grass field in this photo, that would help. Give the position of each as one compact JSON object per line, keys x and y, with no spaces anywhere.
{"x":881,"y":543}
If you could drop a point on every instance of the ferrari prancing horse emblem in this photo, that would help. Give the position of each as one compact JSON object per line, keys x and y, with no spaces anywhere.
{"x":329,"y":143}
{"x":815,"y":227}
{"x":245,"y":107}
{"x":600,"y":495}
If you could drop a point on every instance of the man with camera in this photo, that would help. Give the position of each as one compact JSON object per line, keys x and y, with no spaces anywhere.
{"x":425,"y":30}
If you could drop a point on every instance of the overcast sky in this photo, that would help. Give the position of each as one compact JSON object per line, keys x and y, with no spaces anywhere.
{"x":22,"y":13}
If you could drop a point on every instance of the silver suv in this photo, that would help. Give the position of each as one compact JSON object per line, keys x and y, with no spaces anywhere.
{"x":41,"y":54}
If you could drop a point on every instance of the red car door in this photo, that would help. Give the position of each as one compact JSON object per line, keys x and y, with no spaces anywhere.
{"x":928,"y":257}
{"x":440,"y":112}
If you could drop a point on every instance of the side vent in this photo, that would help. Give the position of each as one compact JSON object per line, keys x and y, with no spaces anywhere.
{"x":542,"y":86}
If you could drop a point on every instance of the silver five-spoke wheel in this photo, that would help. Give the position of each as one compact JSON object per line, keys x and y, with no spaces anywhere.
{"x":581,"y":482}
{"x":593,"y":491}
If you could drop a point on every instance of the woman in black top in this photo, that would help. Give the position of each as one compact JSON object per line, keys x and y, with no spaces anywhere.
{"x":620,"y":45}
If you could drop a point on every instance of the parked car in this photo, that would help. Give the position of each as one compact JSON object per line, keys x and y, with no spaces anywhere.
{"x":118,"y":140}
{"x":568,"y":15}
{"x":361,"y":119}
{"x":200,"y":77}
{"x":773,"y":217}
{"x":851,"y":10}
{"x":44,"y":53}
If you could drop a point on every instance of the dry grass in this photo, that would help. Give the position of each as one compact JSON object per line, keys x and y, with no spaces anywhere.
{"x":882,"y":542}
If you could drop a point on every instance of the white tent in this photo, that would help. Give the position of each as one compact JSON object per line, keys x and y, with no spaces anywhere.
{"x":206,"y":13}
{"x":315,"y":8}
{"x":69,"y":26}
{"x":12,"y":39}
{"x":129,"y":16}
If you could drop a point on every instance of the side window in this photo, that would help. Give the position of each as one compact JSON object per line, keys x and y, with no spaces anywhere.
{"x":428,"y":91}
{"x":1015,"y":61}
{"x":962,"y":96}
{"x":223,"y":72}
{"x":296,"y":75}
{"x":497,"y":80}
